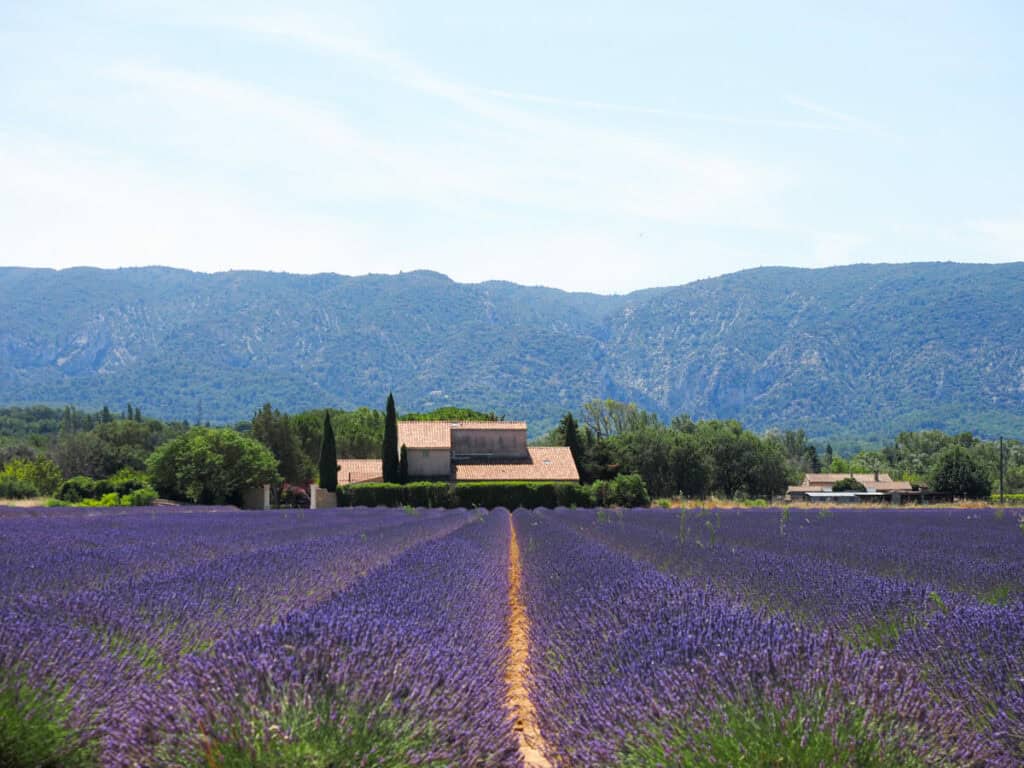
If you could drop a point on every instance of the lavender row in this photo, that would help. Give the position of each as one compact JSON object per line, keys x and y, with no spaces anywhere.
{"x":83,"y":657}
{"x":57,"y":550}
{"x":632,"y":666}
{"x":969,"y":651}
{"x":976,"y":551}
{"x":406,"y":667}
{"x":823,"y":593}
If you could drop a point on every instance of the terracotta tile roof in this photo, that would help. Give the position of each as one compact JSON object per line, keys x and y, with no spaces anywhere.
{"x":424,"y":434}
{"x":544,"y":465}
{"x":352,"y":471}
{"x":488,"y":425}
{"x":438,"y":434}
{"x":828,"y":478}
{"x":891,"y":485}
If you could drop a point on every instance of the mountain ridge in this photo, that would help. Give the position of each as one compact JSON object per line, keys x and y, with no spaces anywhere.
{"x":862,"y":350}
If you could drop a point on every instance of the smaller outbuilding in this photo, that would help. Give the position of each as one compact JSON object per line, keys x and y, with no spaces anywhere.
{"x":878,"y":487}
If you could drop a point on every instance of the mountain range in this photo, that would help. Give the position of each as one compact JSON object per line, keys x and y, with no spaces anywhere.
{"x":845,"y":353}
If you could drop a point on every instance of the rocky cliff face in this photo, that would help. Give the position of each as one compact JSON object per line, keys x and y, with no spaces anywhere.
{"x":860,"y":350}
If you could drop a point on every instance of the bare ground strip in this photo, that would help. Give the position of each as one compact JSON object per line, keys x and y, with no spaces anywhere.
{"x":531,"y":744}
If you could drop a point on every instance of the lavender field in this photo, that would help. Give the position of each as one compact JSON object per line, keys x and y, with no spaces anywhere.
{"x":373,"y":637}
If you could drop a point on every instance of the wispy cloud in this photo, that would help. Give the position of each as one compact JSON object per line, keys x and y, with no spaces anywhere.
{"x":295,"y":29}
{"x":838,"y":120}
{"x":529,"y":157}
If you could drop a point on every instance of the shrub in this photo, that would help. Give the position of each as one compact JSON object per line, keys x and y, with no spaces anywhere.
{"x":76,"y":489}
{"x":849,"y":484}
{"x":127,"y":488}
{"x":41,"y":474}
{"x":126,"y":482}
{"x":293,"y":496}
{"x":140,"y":497}
{"x":16,"y":488}
{"x":621,"y":491}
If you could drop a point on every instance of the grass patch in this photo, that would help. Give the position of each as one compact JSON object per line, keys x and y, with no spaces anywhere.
{"x":33,"y":730}
{"x":882,"y":633}
{"x":327,"y":735}
{"x":1001,"y":595}
{"x":757,"y":735}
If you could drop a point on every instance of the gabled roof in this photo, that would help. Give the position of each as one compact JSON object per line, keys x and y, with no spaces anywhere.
{"x":360,"y":471}
{"x":544,"y":465}
{"x":489,"y":426}
{"x":890,"y":485}
{"x":424,"y":434}
{"x":438,"y":434}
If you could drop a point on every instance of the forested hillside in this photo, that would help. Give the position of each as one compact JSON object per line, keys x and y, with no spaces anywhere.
{"x":863,"y":351}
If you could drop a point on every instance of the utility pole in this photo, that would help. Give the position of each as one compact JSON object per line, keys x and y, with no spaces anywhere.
{"x":1002,"y":473}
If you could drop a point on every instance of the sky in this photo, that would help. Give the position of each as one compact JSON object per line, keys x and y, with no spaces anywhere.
{"x":589,"y":146}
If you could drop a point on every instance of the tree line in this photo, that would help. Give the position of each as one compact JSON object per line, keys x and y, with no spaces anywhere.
{"x":696,"y":459}
{"x":124,"y":452}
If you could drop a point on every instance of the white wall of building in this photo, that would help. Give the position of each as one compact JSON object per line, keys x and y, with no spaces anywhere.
{"x":429,"y":462}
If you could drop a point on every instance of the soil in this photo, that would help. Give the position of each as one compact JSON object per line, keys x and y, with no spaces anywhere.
{"x":531,"y":743}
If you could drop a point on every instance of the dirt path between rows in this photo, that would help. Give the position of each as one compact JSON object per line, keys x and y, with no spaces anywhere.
{"x":531,"y":744}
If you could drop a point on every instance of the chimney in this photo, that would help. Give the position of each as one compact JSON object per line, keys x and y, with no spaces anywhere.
{"x":876,"y":475}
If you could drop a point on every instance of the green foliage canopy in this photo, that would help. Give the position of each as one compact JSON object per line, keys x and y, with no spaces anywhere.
{"x":849,"y":484}
{"x":211,"y":466}
{"x":957,"y":472}
{"x":276,"y":431}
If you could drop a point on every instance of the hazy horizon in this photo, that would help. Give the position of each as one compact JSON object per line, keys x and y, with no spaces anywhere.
{"x":489,"y":280}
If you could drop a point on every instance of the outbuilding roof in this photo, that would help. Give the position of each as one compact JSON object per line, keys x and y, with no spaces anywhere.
{"x":360,"y":471}
{"x":828,"y":478}
{"x":882,"y":486}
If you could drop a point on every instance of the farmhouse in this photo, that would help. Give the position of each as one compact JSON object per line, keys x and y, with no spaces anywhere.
{"x":879,"y":486}
{"x":464,"y":451}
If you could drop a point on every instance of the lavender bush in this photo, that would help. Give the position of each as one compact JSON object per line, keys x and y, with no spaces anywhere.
{"x":639,"y":667}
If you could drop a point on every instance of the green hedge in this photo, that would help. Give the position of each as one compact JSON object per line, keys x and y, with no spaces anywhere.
{"x":486,"y":494}
{"x":523,"y":494}
{"x":420,"y":494}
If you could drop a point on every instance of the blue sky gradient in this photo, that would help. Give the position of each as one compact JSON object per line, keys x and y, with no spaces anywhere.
{"x":592,"y":146}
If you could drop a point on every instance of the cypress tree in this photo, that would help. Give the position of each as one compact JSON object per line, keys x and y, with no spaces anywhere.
{"x":328,"y":457}
{"x":389,"y":448}
{"x":403,"y":466}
